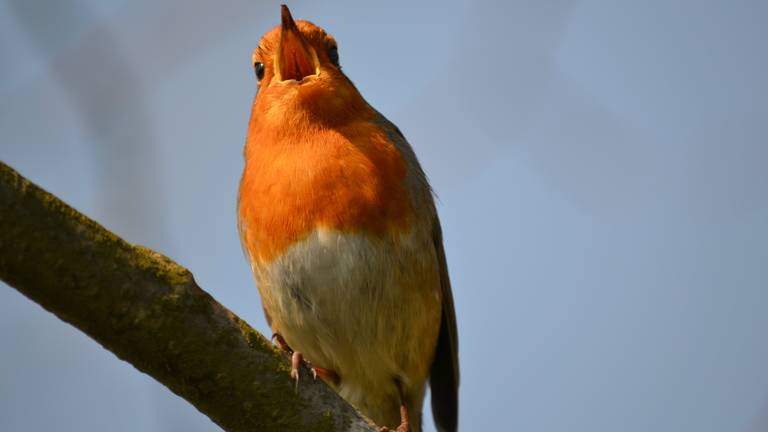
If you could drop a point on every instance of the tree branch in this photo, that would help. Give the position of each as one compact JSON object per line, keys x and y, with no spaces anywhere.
{"x":149,"y":311}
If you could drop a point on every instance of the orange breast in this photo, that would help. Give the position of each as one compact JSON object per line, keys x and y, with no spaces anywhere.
{"x":350,"y":180}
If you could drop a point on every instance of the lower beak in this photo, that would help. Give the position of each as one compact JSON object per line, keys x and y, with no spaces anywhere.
{"x":295,"y":59}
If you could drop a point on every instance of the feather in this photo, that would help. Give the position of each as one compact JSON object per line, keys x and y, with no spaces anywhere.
{"x":444,"y":375}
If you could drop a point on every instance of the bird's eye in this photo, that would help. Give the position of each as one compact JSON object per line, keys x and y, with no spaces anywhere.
{"x":333,"y":55}
{"x":258,"y":67}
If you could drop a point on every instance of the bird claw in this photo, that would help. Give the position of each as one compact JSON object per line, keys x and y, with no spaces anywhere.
{"x":278,"y":340}
{"x":405,"y":424}
{"x":405,"y":427}
{"x":296,"y":360}
{"x":296,"y":357}
{"x":326,"y":374}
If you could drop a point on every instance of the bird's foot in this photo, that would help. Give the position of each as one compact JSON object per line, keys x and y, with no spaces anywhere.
{"x":405,"y":424}
{"x":296,"y":357}
{"x":325,"y":374}
{"x":296,"y":360}
{"x":404,"y":427}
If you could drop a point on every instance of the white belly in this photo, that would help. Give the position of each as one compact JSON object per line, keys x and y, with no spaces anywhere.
{"x":366,"y":308}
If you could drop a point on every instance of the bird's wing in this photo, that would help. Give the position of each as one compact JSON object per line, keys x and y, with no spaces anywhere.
{"x":444,"y":376}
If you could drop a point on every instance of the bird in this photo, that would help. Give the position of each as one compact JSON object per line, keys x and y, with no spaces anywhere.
{"x":339,"y":225}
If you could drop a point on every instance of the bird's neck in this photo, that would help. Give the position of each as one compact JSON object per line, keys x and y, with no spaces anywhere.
{"x":306,"y":109}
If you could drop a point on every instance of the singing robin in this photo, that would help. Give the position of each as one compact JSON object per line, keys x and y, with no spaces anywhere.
{"x":339,"y":224}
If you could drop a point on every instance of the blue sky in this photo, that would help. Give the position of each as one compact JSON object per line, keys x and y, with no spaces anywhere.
{"x":600,"y":166}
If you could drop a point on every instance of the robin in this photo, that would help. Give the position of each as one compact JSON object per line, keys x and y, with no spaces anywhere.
{"x":339,"y":225}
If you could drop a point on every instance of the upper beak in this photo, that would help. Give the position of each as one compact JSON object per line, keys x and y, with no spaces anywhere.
{"x":295,"y":59}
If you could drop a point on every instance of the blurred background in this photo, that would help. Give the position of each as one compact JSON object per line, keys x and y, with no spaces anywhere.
{"x":601,"y":166}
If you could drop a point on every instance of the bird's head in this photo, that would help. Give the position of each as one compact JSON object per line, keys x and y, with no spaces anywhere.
{"x":298,"y":73}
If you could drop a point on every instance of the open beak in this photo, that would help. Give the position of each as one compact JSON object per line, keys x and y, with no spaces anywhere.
{"x":295,"y":59}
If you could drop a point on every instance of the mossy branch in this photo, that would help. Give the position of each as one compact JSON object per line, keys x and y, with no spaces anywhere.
{"x":149,"y":311}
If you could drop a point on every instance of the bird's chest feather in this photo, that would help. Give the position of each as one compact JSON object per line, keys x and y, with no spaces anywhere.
{"x":366,"y":307}
{"x":342,"y":254}
{"x":351,"y":182}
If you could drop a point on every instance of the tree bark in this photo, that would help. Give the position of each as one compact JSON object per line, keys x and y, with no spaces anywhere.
{"x":149,"y":311}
